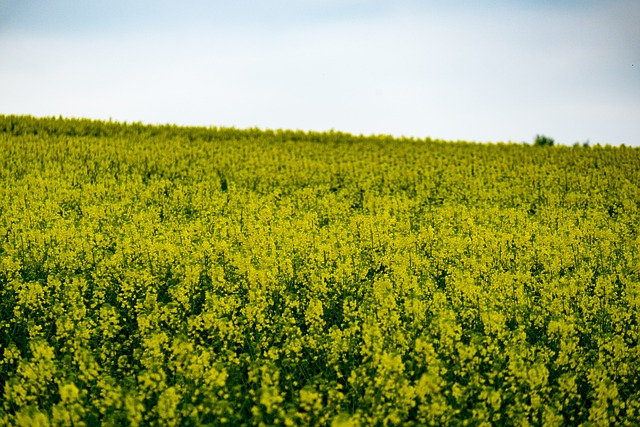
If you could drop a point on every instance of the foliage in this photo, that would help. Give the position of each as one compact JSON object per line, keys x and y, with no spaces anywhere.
{"x":543,"y":141}
{"x":214,"y":276}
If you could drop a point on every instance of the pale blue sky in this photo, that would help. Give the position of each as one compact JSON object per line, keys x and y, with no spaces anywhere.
{"x":472,"y":70}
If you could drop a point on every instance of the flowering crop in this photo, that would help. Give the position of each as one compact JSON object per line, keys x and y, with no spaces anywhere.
{"x":158,"y":275}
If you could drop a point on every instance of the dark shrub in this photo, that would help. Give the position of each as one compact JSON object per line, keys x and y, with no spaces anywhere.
{"x":542,"y":140}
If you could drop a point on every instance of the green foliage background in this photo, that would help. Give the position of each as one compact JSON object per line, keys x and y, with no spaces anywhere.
{"x":204,"y":276}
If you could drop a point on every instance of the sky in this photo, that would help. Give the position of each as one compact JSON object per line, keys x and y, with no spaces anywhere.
{"x":482,"y":70}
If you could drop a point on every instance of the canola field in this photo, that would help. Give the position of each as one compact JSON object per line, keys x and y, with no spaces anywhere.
{"x":162,"y":275}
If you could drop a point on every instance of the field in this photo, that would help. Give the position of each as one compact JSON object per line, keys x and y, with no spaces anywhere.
{"x":159,"y":275}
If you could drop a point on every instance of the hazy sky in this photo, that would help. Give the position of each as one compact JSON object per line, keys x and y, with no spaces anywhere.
{"x":473,"y":70}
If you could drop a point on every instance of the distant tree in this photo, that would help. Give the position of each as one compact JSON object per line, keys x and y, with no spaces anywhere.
{"x":542,"y":141}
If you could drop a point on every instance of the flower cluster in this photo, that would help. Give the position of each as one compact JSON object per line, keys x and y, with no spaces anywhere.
{"x":157,"y":275}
